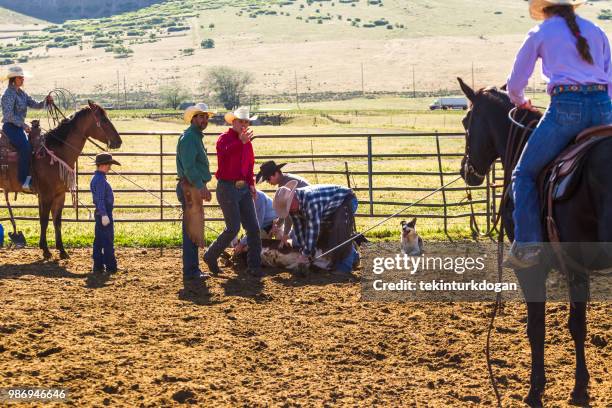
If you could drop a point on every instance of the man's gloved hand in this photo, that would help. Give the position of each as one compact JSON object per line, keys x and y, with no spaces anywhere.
{"x":284,"y":241}
{"x":105,"y":220}
{"x":303,"y":259}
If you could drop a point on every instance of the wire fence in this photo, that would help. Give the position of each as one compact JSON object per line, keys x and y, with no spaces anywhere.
{"x":387,"y":171}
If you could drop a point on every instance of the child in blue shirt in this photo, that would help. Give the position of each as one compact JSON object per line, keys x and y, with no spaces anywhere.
{"x":103,"y":246}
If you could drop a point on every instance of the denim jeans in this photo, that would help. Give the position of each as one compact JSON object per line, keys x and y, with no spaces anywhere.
{"x":237,"y":207}
{"x":18,"y":138}
{"x":191,"y":266}
{"x":346,"y":264}
{"x":568,"y":114}
{"x":104,"y":245}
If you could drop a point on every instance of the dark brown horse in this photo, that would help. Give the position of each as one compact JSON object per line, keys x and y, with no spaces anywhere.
{"x":53,"y":167}
{"x":585,"y":218}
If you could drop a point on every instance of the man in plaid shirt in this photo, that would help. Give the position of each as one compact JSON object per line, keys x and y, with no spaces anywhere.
{"x":308,"y":208}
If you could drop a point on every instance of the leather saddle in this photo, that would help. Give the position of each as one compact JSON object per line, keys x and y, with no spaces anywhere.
{"x":561,"y":177}
{"x":8,"y":153}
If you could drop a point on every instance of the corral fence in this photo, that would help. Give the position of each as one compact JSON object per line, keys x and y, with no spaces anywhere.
{"x":388,"y":171}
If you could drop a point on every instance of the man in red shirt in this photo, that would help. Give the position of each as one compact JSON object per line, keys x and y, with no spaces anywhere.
{"x":236,"y":191}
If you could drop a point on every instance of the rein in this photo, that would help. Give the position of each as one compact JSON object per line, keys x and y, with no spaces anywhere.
{"x":517,"y":138}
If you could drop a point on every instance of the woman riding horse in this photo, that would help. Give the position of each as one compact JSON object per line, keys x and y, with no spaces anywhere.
{"x":15,"y":103}
{"x":576,"y":65}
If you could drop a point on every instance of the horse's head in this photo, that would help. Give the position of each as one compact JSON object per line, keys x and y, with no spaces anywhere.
{"x":486,"y":127}
{"x":101,"y":128}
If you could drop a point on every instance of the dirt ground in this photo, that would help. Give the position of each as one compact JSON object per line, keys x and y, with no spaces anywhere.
{"x":134,"y":340}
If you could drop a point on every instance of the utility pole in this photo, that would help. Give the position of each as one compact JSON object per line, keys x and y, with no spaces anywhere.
{"x":362,"y":81}
{"x":297,"y":95}
{"x":124,"y":94}
{"x":413,"y":83}
{"x":472,"y":74}
{"x":118,"y":89}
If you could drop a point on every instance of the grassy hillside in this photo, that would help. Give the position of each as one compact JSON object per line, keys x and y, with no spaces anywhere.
{"x":320,"y":45}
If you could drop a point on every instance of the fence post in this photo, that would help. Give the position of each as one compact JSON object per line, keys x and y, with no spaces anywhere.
{"x":493,"y":203}
{"x":76,"y":194}
{"x":370,"y":175}
{"x":161,"y":176}
{"x":488,"y":212}
{"x":348,"y":179}
{"x":441,"y":170}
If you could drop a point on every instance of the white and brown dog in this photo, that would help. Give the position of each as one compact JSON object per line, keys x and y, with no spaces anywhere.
{"x":411,"y":244}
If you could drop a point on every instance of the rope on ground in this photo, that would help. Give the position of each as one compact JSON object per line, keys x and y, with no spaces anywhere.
{"x":390,"y":217}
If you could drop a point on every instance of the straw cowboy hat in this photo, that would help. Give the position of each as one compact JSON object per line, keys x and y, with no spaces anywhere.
{"x":267,"y":169}
{"x":536,"y":7}
{"x":106,"y":158}
{"x":191,"y":111}
{"x":14,"y":72}
{"x":241,"y":113}
{"x":283,"y":198}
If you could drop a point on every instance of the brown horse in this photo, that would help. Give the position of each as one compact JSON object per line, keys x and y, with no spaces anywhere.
{"x":53,"y":167}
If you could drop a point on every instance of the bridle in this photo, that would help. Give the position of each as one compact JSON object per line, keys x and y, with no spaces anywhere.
{"x":468,"y":167}
{"x":517,"y":137}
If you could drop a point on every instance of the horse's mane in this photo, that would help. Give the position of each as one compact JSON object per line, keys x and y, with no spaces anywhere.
{"x":57,"y":136}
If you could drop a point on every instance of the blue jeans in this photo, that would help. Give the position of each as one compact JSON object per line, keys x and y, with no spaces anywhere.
{"x":346,"y":264}
{"x":191,"y":263}
{"x":237,"y":207}
{"x":104,"y":245}
{"x":568,"y":114}
{"x":19,"y":140}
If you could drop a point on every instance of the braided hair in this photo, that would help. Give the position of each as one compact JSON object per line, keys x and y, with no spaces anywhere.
{"x":567,"y":12}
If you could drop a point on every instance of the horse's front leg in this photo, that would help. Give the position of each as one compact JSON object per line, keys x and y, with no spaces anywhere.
{"x":56,"y":209}
{"x":536,"y":325}
{"x":579,"y":290}
{"x":44,"y":208}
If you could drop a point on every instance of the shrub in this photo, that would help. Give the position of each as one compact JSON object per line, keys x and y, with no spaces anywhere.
{"x":207,"y":43}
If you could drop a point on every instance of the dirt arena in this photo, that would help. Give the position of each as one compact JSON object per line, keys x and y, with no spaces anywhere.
{"x":134,"y":340}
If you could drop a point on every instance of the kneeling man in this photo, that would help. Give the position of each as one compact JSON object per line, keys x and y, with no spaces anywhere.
{"x":312,"y":206}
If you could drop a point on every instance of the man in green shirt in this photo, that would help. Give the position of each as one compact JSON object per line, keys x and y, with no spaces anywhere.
{"x":192,"y":166}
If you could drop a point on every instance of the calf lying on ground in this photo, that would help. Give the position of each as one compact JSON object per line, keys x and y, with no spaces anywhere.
{"x":286,"y":258}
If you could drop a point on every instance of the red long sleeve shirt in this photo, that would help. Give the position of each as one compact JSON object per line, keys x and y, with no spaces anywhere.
{"x":235,"y":159}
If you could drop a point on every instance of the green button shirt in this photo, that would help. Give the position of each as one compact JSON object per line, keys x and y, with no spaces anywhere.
{"x":191,"y":158}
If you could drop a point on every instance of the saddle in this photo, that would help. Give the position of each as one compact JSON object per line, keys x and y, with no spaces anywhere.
{"x":558,"y":181}
{"x":9,"y":156}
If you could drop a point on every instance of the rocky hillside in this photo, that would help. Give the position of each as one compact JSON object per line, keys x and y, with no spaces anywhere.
{"x":62,"y":10}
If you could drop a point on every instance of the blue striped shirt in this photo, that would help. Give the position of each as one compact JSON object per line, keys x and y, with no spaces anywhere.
{"x":15,"y":103}
{"x":102,"y":192}
{"x":317,"y":203}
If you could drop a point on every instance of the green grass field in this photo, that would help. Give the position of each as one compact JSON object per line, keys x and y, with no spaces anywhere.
{"x":374,"y":117}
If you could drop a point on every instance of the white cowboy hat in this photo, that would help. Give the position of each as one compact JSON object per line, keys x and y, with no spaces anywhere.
{"x":191,"y":111}
{"x":536,"y":7}
{"x":16,"y":71}
{"x":241,"y":113}
{"x":283,"y":198}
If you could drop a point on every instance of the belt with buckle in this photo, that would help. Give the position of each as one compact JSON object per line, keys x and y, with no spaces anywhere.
{"x":579,"y":88}
{"x":236,"y":183}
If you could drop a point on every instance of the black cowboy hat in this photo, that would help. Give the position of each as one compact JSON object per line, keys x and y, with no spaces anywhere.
{"x":267,"y":169}
{"x":106,"y":158}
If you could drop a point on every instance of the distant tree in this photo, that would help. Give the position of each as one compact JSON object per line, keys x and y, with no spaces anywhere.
{"x":229,"y":84}
{"x":173,"y":94}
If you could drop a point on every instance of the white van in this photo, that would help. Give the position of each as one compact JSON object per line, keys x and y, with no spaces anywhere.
{"x":449,"y":103}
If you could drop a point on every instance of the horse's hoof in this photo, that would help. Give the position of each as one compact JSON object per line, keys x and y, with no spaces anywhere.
{"x":64,"y":255}
{"x":580,"y":396}
{"x":534,"y":398}
{"x":46,"y":255}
